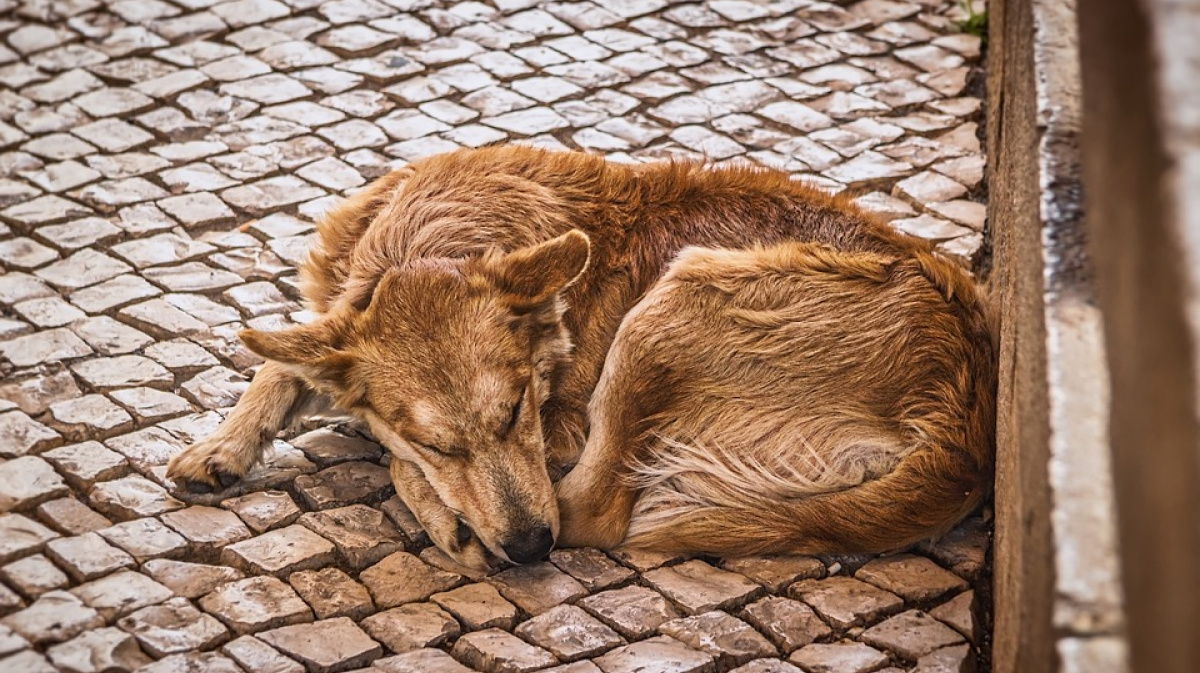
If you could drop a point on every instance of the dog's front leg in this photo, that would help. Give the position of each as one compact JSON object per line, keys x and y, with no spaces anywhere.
{"x":263,"y":410}
{"x":440,"y":522}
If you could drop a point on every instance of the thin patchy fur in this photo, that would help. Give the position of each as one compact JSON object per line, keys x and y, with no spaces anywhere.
{"x":731,"y":362}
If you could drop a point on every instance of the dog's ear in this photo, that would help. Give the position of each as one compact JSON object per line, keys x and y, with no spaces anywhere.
{"x":315,"y":349}
{"x":532,"y":276}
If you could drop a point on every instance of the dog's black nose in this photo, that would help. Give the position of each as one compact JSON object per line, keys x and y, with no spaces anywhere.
{"x":529,"y":545}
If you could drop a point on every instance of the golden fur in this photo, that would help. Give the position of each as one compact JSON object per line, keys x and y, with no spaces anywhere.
{"x":724,"y":360}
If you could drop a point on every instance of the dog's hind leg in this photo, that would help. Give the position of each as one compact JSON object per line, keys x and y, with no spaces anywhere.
{"x":274,"y":397}
{"x":597,"y":497}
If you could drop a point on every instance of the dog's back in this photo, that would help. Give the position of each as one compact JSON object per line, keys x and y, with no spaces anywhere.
{"x":810,"y":401}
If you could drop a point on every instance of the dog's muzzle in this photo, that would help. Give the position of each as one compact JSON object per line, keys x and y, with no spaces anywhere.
{"x":529,"y":545}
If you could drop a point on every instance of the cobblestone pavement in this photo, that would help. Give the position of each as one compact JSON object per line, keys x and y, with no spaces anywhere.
{"x":161,"y":163}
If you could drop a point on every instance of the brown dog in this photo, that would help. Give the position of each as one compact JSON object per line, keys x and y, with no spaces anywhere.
{"x":738,"y":363}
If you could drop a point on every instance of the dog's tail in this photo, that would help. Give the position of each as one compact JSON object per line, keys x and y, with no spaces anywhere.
{"x":898,"y":483}
{"x":924,"y":495}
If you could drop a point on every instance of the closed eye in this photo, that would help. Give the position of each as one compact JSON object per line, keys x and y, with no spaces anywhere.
{"x":516,"y":414}
{"x":432,"y":448}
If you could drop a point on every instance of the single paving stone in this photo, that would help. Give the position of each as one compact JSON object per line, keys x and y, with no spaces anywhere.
{"x":48,"y":312}
{"x":345,"y":484}
{"x":325,"y":646}
{"x":421,"y":661}
{"x":181,"y":355}
{"x":699,"y":587}
{"x":770,"y":666}
{"x":497,"y":651}
{"x":576,"y":667}
{"x":110,"y":195}
{"x":361,"y":534}
{"x":132,"y":497}
{"x":963,"y":550}
{"x":34,"y":349}
{"x":87,"y":556}
{"x":16,"y":286}
{"x":173,"y":627}
{"x":332,"y":593}
{"x":264,"y":510}
{"x":280,"y":552}
{"x":844,"y":602}
{"x":89,"y":416}
{"x":148,"y":404}
{"x":411,"y":627}
{"x":112,"y":293}
{"x":590,"y":567}
{"x":25,"y":253}
{"x":661,"y":654}
{"x":208,"y":529}
{"x":776,"y":572}
{"x":27,"y":661}
{"x":192,"y":277}
{"x":478,"y":606}
{"x":967,"y":213}
{"x":21,"y":434}
{"x":49,"y":208}
{"x":962,"y":614}
{"x":191,"y":662}
{"x":56,"y":616}
{"x":27,"y":482}
{"x":33,"y":576}
{"x":162,"y":319}
{"x":9,"y":601}
{"x":930,"y":228}
{"x":839,"y":658}
{"x":86,"y":463}
{"x":635,"y":612}
{"x":122,"y":371}
{"x":190,"y":580}
{"x":120,"y":593}
{"x":198,"y":209}
{"x":259,"y":198}
{"x":732,"y":641}
{"x":256,"y":603}
{"x":913,"y":578}
{"x":403,"y":578}
{"x":911,"y":635}
{"x":110,"y":337}
{"x":215,"y":388}
{"x":145,"y":539}
{"x":326,"y":447}
{"x":99,"y":651}
{"x":789,"y":624}
{"x":10,"y":642}
{"x":146,"y":449}
{"x":569,"y":633}
{"x":262,"y":298}
{"x":166,"y":248}
{"x":537,"y":587}
{"x":957,"y":659}
{"x":71,"y":517}
{"x":253,"y":654}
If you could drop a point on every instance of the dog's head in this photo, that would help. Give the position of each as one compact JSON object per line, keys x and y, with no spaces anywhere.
{"x":449,"y":362}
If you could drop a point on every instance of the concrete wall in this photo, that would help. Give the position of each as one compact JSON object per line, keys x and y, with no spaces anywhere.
{"x":1058,"y":598}
{"x":1141,"y":75}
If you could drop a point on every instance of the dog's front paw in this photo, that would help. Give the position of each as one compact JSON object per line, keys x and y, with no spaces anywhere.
{"x":463,"y":546}
{"x":588,"y":515}
{"x":215,"y":463}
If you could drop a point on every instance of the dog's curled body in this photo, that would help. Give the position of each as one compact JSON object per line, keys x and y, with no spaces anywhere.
{"x":726,"y":361}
